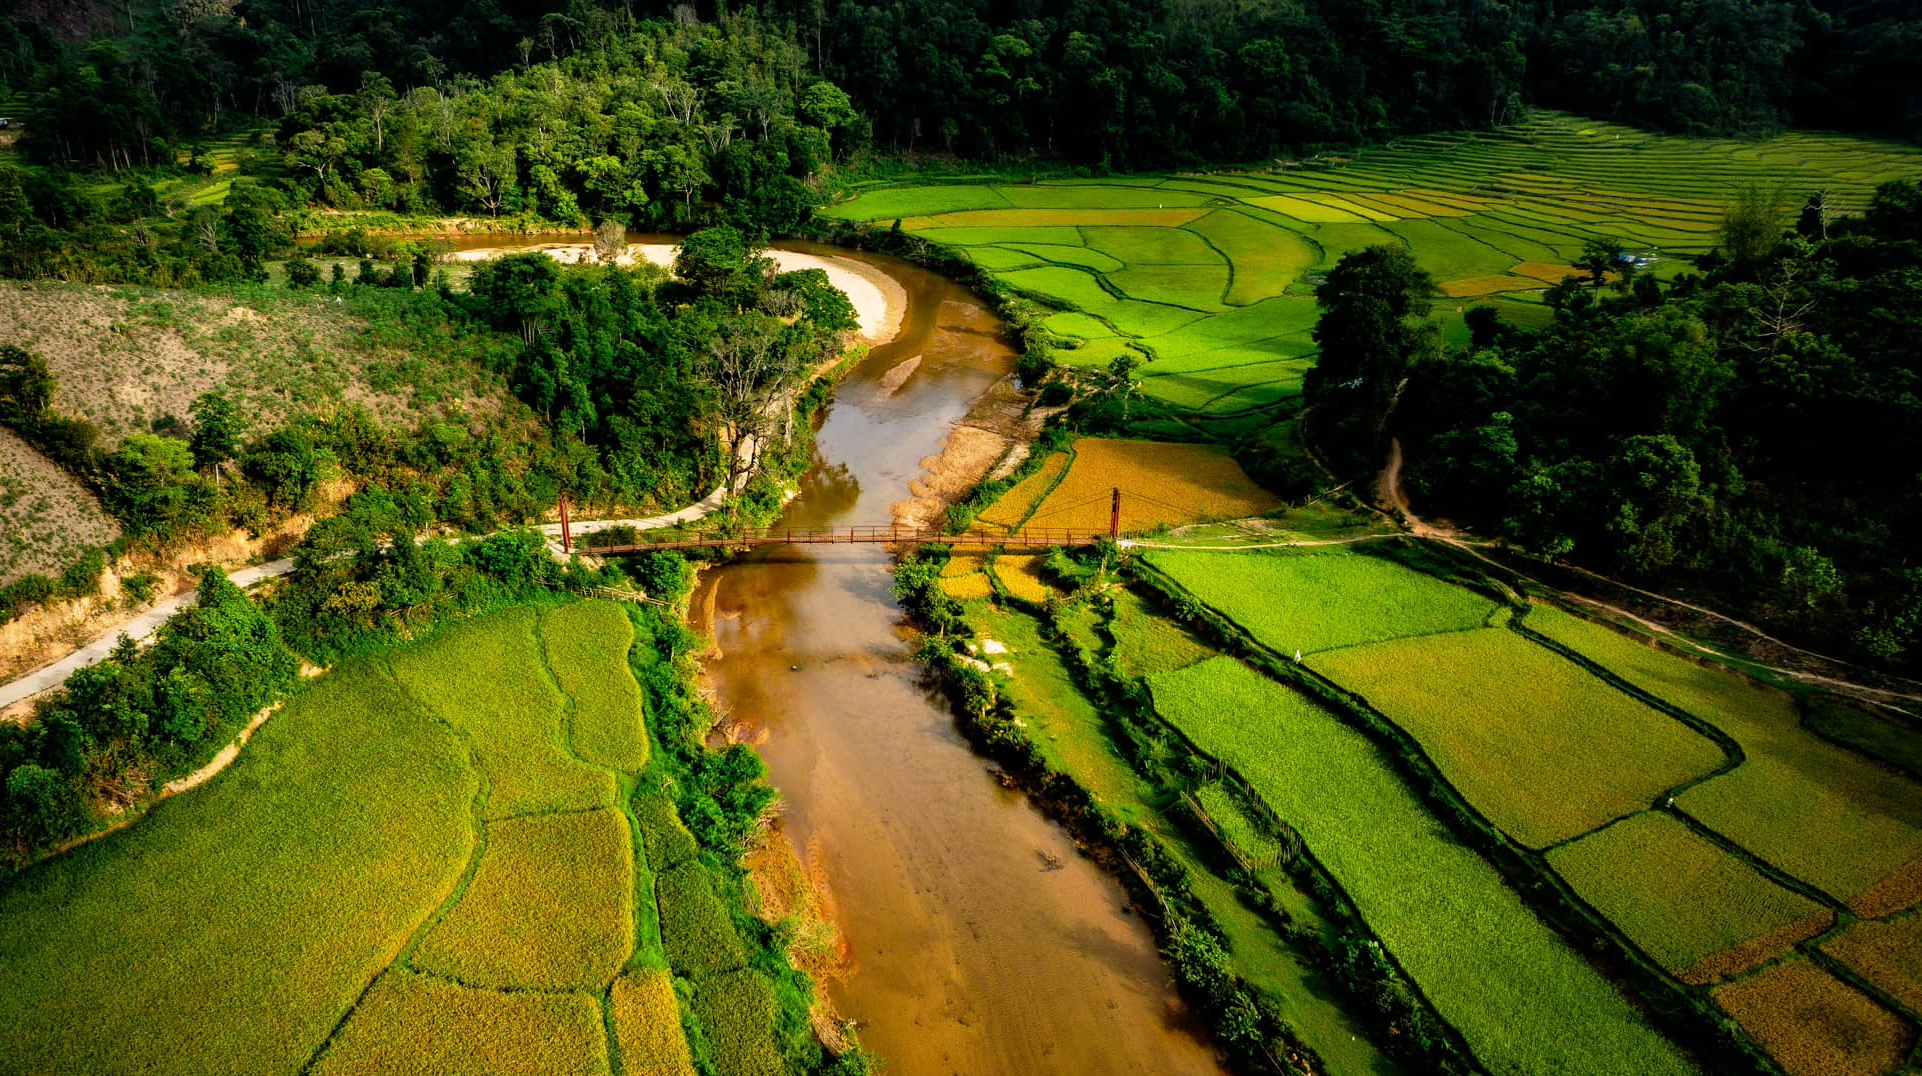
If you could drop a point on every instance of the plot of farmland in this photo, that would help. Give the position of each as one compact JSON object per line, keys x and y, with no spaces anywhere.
{"x":1818,"y":811}
{"x":1540,"y":747}
{"x":1483,"y":212}
{"x":1522,"y":999}
{"x":1319,"y":601}
{"x":388,"y":927}
{"x":1813,"y":1024}
{"x":1159,"y":483}
{"x":1887,"y":954}
{"x":1684,"y":901}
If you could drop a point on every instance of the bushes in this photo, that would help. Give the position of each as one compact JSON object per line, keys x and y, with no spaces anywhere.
{"x":695,"y":926}
{"x":131,"y":721}
{"x":738,"y":1013}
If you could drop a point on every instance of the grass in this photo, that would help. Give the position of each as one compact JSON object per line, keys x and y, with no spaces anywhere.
{"x":695,"y":926}
{"x":738,"y":1012}
{"x":486,"y":678}
{"x":1068,"y":729}
{"x":1523,"y":1001}
{"x":47,"y":518}
{"x":549,"y":909}
{"x":1887,"y":954}
{"x":1146,"y":644}
{"x":1817,"y":811}
{"x":1313,"y":602}
{"x":647,"y":1026}
{"x":1160,"y":484}
{"x":276,"y":892}
{"x":417,"y":1023}
{"x":1482,"y":212}
{"x":1813,"y":1024}
{"x":1679,"y":897}
{"x":1539,"y":746}
{"x":586,"y":645}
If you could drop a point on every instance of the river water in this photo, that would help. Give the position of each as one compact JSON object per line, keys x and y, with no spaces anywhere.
{"x":981,"y":943}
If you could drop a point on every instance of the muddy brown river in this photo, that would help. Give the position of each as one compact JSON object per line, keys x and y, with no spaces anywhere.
{"x":981,"y":943}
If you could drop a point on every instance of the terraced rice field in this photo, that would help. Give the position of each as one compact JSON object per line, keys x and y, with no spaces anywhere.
{"x":1211,"y":274}
{"x":1814,"y":1024}
{"x":1540,"y":747}
{"x":1523,"y":1001}
{"x":1698,"y":910}
{"x":1323,"y":600}
{"x":428,"y":872}
{"x":1823,"y":814}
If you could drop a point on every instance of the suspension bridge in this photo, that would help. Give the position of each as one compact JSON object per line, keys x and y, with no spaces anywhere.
{"x":1029,"y":537}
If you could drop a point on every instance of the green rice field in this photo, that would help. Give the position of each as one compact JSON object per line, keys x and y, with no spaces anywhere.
{"x":1523,"y":1000}
{"x":1211,"y":274}
{"x":1539,"y":746}
{"x":1675,"y":894}
{"x":1322,"y":600}
{"x":428,"y":870}
{"x":1824,"y":814}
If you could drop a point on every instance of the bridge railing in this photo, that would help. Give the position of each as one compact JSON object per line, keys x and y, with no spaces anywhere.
{"x":855,"y":534}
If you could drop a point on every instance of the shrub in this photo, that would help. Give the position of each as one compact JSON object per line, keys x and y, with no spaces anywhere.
{"x":695,"y":926}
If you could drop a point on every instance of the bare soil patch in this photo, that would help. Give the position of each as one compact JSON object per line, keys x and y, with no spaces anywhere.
{"x":128,"y":358}
{"x":47,"y":518}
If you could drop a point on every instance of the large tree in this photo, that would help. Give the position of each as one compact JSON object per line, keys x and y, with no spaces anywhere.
{"x":1372,"y":304}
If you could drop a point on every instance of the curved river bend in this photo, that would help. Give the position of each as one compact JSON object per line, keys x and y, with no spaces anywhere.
{"x":971,"y":952}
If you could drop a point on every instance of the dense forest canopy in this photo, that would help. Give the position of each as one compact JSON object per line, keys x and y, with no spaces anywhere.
{"x":1100,"y":82}
{"x":1749,"y":433}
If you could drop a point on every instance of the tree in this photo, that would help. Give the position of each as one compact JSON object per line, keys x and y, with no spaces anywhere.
{"x":720,"y":262}
{"x":1751,"y":225}
{"x":26,"y":385}
{"x":302,"y":272}
{"x":217,"y":430}
{"x":1602,"y":255}
{"x":1368,"y":333}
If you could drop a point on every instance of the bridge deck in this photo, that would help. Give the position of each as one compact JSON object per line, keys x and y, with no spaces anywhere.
{"x":1032,"y":538}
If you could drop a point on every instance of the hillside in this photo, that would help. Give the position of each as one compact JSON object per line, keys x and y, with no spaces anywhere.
{"x":132,"y":360}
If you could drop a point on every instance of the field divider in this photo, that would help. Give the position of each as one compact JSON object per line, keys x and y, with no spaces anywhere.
{"x":1681,"y":1012}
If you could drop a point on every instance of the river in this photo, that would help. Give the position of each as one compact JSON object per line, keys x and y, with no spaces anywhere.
{"x":981,"y":942}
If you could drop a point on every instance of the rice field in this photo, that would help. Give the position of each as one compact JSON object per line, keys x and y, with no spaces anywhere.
{"x":1814,"y":1024}
{"x":1692,"y":906}
{"x":1540,"y":747}
{"x":420,"y":1023}
{"x":1161,"y":485}
{"x":586,"y":645}
{"x":1822,"y":813}
{"x":1319,"y":601}
{"x":549,"y":908}
{"x":1523,"y":1000}
{"x":1887,"y":954}
{"x":413,"y":897}
{"x":1211,"y":274}
{"x":1146,"y":644}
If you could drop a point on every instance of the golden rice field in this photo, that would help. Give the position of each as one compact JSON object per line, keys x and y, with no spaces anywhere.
{"x":1813,"y":1024}
{"x":430,"y":876}
{"x":1887,"y":954}
{"x":1161,"y":485}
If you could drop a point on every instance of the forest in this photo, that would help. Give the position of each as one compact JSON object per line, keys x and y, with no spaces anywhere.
{"x":1747,"y":432}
